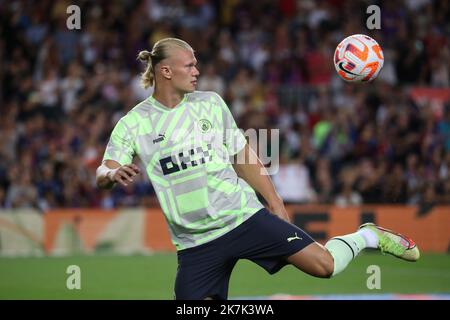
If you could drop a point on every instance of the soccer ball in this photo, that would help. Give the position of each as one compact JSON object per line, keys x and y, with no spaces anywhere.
{"x":358,"y":58}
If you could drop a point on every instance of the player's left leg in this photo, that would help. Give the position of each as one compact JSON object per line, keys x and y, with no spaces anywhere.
{"x":391,"y":242}
{"x":314,"y":260}
{"x":330,"y":260}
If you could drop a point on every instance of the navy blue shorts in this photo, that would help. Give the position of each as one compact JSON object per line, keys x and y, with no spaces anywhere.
{"x":204,"y":271}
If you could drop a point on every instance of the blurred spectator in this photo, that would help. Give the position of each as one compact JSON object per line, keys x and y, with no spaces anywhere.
{"x":21,"y":193}
{"x":348,"y":196}
{"x":211,"y":81}
{"x":394,"y":187}
{"x":324,"y":183}
{"x":368,"y":182}
{"x":2,"y":198}
{"x":292,"y":181}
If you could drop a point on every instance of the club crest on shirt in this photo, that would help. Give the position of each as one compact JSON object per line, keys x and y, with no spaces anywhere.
{"x":204,"y":125}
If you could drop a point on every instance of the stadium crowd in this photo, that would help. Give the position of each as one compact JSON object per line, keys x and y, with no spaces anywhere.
{"x":62,"y":91}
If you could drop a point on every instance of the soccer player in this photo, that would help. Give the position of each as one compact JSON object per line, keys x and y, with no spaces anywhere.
{"x":190,"y":148}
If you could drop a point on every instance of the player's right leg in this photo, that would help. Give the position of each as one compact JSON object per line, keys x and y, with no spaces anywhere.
{"x":203,"y":272}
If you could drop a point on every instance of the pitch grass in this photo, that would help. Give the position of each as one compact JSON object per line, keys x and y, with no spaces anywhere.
{"x":152,"y":277}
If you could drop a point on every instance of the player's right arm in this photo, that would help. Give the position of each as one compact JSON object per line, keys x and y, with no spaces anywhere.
{"x":111,"y":172}
{"x":120,"y":150}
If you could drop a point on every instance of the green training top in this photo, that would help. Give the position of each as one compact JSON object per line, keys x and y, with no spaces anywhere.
{"x":186,"y":153}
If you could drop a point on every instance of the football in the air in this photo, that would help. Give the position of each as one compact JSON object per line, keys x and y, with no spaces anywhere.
{"x":358,"y":58}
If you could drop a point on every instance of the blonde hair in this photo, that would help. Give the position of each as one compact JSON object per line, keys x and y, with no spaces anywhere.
{"x":159,"y":52}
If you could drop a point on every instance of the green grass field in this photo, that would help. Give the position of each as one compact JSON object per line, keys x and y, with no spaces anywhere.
{"x":152,"y":277}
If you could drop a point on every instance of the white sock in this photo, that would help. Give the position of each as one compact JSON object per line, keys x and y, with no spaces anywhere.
{"x":370,"y":237}
{"x":344,"y":249}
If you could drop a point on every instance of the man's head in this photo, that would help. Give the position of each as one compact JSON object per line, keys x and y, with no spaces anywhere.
{"x":171,"y":62}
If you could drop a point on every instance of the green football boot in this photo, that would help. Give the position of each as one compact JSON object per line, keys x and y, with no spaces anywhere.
{"x":394,"y":243}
